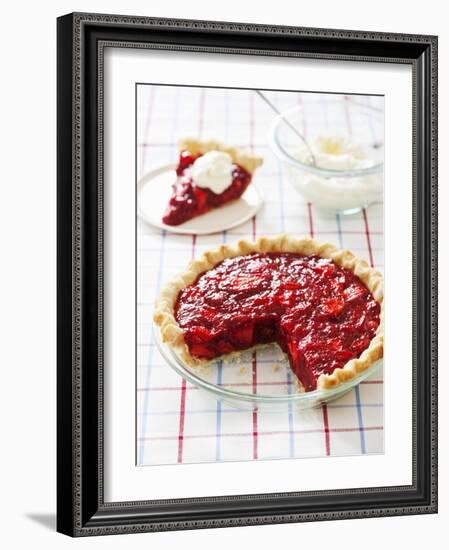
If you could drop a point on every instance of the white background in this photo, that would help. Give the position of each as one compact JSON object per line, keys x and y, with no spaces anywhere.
{"x":27,"y":219}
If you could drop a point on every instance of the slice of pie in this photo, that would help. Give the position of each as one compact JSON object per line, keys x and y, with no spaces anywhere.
{"x":209,"y":175}
{"x":323,"y":306}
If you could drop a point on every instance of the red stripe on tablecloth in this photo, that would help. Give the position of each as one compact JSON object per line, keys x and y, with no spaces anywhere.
{"x":267,"y":433}
{"x":182,"y":415}
{"x":326,"y":430}
{"x":193,"y":246}
{"x":324,"y":407}
{"x":255,"y":419}
{"x":368,"y":238}
{"x":253,"y":224}
{"x":254,"y":356}
{"x":182,"y":407}
{"x":309,"y":211}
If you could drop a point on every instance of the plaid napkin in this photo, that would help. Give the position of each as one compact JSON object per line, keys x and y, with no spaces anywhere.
{"x":177,"y":422}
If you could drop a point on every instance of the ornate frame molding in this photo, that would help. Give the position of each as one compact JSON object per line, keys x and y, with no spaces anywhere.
{"x":81,"y":41}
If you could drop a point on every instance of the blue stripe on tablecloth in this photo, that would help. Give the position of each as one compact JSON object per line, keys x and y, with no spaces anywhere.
{"x":220,"y":363}
{"x":291,"y":439}
{"x":291,"y":430}
{"x":150,"y":353}
{"x":141,"y":450}
{"x":274,"y":412}
{"x":218,"y":413}
{"x":340,"y":236}
{"x":356,"y":389}
{"x":360,"y":419}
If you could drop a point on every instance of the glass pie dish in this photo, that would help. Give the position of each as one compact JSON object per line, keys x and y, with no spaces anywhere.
{"x":255,"y":379}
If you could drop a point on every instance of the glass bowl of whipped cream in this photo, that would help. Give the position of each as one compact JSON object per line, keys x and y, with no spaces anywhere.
{"x":340,"y":167}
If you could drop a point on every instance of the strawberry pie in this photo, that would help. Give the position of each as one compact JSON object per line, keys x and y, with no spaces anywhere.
{"x":208,"y":175}
{"x":322,"y":306}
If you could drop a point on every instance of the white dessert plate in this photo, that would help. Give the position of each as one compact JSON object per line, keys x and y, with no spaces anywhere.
{"x":154,"y":191}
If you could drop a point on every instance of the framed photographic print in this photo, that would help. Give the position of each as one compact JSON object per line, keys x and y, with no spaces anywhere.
{"x":246,"y":274}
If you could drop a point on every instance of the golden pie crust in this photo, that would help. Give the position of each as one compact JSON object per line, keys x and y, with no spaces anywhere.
{"x":238,"y":155}
{"x":172,"y":333}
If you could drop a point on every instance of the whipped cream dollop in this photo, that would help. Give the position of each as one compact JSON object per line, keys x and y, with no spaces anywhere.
{"x":335,"y":191}
{"x":335,"y":153}
{"x":213,"y":171}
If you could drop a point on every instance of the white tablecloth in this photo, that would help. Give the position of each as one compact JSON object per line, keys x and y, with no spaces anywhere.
{"x":176,"y":422}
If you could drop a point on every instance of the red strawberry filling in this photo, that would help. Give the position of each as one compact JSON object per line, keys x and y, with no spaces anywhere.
{"x":320,"y":314}
{"x":188,"y":201}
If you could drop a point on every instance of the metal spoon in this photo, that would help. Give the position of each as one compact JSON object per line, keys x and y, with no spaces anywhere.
{"x":289,"y":124}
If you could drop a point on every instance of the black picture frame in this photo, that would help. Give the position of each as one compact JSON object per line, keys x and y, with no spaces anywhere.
{"x":81,"y":509}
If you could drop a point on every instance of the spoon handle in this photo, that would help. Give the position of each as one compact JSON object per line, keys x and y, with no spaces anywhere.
{"x":289,"y":124}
